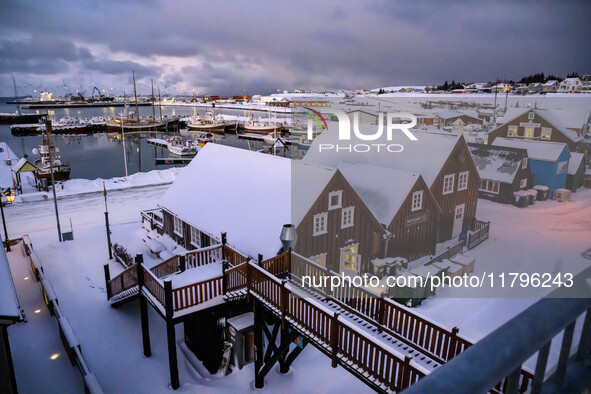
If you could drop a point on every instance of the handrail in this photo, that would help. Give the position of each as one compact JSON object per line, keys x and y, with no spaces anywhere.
{"x":502,"y":352}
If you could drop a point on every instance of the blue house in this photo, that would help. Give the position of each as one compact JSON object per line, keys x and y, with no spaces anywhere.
{"x":548,"y":161}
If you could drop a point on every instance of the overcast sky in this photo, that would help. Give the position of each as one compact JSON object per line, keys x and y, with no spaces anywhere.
{"x":227,"y":47}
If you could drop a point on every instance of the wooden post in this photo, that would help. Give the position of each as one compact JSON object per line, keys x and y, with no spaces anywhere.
{"x":405,"y":382}
{"x":171,"y":335}
{"x":381,"y":312}
{"x":453,"y":340}
{"x":143,"y":307}
{"x":334,"y":338}
{"x":224,"y":279}
{"x":283,"y":300}
{"x":107,"y":279}
{"x":259,"y":381}
{"x":108,"y":235}
{"x":224,"y":246}
{"x":248,"y":285}
{"x":182,"y":263}
{"x":260,"y":260}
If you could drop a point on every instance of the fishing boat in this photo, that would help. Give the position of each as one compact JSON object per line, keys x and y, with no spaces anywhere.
{"x":177,"y":147}
{"x":209,"y":123}
{"x":50,"y":159}
{"x":259,"y":126}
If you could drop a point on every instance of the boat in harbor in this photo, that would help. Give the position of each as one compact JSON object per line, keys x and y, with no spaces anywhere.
{"x":50,"y":160}
{"x":209,"y":123}
{"x":259,"y":126}
{"x":177,"y":147}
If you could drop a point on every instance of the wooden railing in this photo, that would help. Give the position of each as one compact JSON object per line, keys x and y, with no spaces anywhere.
{"x":166,"y":267}
{"x":124,"y":281}
{"x":278,"y":265}
{"x":204,"y":256}
{"x":154,"y":285}
{"x":236,"y":277}
{"x":432,"y":339}
{"x":322,"y":325}
{"x":233,"y":257}
{"x":196,"y":293}
{"x":479,"y":235}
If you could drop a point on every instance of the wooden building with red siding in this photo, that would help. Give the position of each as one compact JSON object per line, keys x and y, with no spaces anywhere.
{"x":442,"y":159}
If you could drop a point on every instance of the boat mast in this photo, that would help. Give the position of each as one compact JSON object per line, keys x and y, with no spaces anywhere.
{"x":137,"y":111}
{"x":18,"y":106}
{"x":160,"y":103}
{"x":153,"y":109}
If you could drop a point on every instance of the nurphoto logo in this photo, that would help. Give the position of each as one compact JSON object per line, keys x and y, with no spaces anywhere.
{"x":400,"y":121}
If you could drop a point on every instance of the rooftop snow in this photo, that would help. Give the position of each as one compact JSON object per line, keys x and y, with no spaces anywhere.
{"x":497,"y":163}
{"x":537,"y":150}
{"x":7,"y":178}
{"x":383,"y":190}
{"x":246,"y":194}
{"x":426,"y":156}
{"x":574,"y":162}
{"x":558,"y":118}
{"x":9,"y":306}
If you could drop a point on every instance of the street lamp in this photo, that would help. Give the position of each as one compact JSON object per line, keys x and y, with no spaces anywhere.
{"x":6,"y":240}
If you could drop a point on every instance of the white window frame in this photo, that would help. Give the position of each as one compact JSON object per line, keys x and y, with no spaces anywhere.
{"x":525,"y":132}
{"x":321,"y":256}
{"x":524,"y":163}
{"x":512,"y":131}
{"x":531,"y":115}
{"x":450,"y":188}
{"x":178,"y":226}
{"x":523,"y":183}
{"x":546,"y":129}
{"x":417,"y":201}
{"x":338,"y":193}
{"x":350,"y":211}
{"x":463,"y":180}
{"x":316,"y":230}
{"x":488,"y":181}
{"x":195,"y":237}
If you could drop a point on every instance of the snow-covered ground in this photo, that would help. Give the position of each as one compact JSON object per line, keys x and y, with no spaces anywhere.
{"x":545,"y":236}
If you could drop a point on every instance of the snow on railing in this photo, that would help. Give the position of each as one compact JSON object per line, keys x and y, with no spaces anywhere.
{"x":69,"y":340}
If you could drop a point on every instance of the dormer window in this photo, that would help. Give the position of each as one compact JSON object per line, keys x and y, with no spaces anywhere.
{"x":335,"y":199}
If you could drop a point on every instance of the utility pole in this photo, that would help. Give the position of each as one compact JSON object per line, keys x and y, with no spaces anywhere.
{"x":57,"y":217}
{"x":6,"y":240}
{"x":107,"y":222}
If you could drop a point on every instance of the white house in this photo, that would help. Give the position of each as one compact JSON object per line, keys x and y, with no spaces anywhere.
{"x":570,"y":85}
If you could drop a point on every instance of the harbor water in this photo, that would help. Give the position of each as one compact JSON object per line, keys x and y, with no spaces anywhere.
{"x":102,"y":156}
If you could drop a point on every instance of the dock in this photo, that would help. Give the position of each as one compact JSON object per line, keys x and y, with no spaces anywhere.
{"x":158,"y":142}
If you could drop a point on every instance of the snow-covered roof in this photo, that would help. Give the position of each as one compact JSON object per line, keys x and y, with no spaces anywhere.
{"x":9,"y":306}
{"x":7,"y":178}
{"x":448,"y":114}
{"x":574,"y":162}
{"x":497,"y":163}
{"x":550,"y":82}
{"x":246,"y":194}
{"x":383,"y":190}
{"x":552,"y":116}
{"x":426,"y":156}
{"x":537,"y":150}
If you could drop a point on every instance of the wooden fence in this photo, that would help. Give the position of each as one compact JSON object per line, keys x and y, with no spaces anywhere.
{"x":204,"y":256}
{"x":479,"y":235}
{"x":124,"y":281}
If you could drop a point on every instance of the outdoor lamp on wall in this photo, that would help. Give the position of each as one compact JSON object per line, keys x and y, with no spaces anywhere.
{"x":288,"y":237}
{"x":10,"y":196}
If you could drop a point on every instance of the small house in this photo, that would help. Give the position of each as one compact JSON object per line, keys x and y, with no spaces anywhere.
{"x":550,"y":86}
{"x":502,"y":170}
{"x":447,"y":118}
{"x":548,"y":160}
{"x":364,"y":116}
{"x":576,"y":171}
{"x":570,"y":85}
{"x":534,"y":124}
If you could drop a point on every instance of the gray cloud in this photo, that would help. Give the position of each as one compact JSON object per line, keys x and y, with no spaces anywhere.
{"x":226,"y":47}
